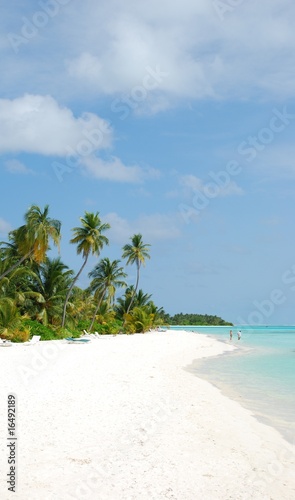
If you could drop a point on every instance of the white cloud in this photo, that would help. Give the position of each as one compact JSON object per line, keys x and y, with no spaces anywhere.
{"x":192,"y":184}
{"x":154,"y":227}
{"x":5,"y":227}
{"x":105,"y":47}
{"x":142,"y":52}
{"x":37,"y":124}
{"x":202,"y":54}
{"x":160,"y":226}
{"x":16,"y":167}
{"x":231,"y":189}
{"x":114,"y":170}
{"x":121,"y":229}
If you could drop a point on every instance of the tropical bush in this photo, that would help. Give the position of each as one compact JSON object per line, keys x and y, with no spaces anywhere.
{"x":20,"y":335}
{"x":37,"y":328}
{"x":110,"y":328}
{"x":10,"y":321}
{"x":139,"y":320}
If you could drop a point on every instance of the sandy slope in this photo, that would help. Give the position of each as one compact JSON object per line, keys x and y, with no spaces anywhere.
{"x":120,"y":418}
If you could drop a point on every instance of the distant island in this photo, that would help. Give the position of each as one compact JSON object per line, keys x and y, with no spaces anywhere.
{"x":196,"y":319}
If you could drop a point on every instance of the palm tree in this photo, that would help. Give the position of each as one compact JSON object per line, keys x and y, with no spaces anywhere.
{"x":52,"y":280}
{"x":136,"y":253}
{"x":32,"y":239}
{"x":140,"y":299}
{"x":19,"y":287}
{"x":105,"y":315}
{"x":139,"y":320}
{"x":90,"y":240}
{"x":107,"y":276}
{"x":81,"y":304}
{"x":9,"y":317}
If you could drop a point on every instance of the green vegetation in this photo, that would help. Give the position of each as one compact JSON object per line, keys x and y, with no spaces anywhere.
{"x":136,"y":253}
{"x":195,"y":319}
{"x":39,"y":295}
{"x":90,"y":240}
{"x":107,"y":276}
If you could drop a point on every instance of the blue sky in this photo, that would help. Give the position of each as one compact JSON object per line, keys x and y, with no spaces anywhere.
{"x":172,"y":119}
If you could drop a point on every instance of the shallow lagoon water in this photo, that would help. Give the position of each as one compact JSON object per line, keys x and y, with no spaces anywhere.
{"x":260,"y":373}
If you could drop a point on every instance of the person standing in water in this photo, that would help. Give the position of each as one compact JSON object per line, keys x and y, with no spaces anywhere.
{"x":230,"y":335}
{"x":239,"y":335}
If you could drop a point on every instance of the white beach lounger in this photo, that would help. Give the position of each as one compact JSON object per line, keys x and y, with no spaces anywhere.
{"x":5,"y":343}
{"x":87,"y":335}
{"x":33,"y":340}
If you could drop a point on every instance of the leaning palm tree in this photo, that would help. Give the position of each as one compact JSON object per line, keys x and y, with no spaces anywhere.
{"x":31,"y":241}
{"x":90,"y":240}
{"x":136,"y":253}
{"x":107,"y":276}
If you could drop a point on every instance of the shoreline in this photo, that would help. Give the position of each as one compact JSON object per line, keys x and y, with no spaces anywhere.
{"x":122,"y":418}
{"x":264,"y":414}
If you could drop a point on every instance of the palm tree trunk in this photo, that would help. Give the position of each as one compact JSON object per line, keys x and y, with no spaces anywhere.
{"x":96,"y":309}
{"x":18,"y":263}
{"x":135,"y":289}
{"x":70,"y":291}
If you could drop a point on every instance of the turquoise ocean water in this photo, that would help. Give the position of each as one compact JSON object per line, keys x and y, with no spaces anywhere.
{"x":260,"y":374}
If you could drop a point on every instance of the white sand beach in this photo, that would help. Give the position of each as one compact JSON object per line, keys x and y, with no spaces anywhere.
{"x":121,"y":418}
